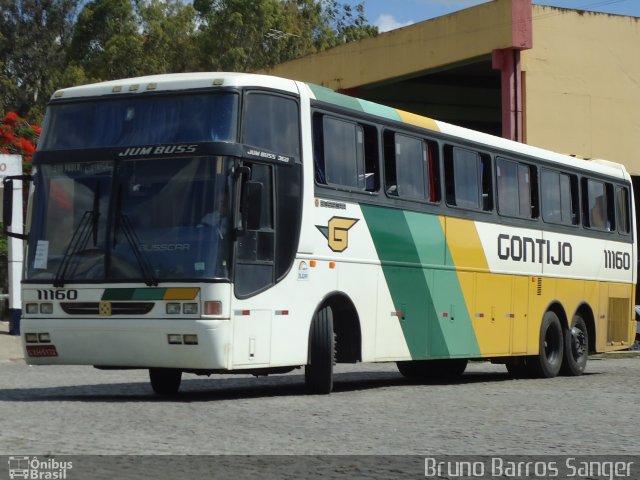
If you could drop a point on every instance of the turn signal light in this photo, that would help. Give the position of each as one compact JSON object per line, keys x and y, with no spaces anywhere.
{"x":213,"y":308}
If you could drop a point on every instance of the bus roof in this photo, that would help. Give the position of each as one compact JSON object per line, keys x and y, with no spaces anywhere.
{"x":604,"y":167}
{"x":188,"y":81}
{"x":176,"y":81}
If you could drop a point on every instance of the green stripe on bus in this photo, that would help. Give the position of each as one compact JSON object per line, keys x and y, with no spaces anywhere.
{"x":118,"y":294}
{"x":149,"y":294}
{"x":122,"y":294}
{"x":327,"y":95}
{"x":411,"y":248}
{"x":380,"y":110}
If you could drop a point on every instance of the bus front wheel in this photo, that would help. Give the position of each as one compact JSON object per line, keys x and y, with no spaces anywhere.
{"x":576,"y":348}
{"x":549,"y":359}
{"x":165,"y":381}
{"x":318,"y":373}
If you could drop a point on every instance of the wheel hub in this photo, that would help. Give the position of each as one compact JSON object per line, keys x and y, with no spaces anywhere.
{"x":578,"y":346}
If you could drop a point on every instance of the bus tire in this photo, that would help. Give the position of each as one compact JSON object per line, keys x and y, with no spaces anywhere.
{"x":165,"y":381}
{"x":425,"y":369}
{"x":549,"y":359}
{"x":576,"y":348}
{"x":318,"y":373}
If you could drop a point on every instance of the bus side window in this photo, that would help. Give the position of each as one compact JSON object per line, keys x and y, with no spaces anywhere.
{"x":515,"y":187}
{"x":467,"y":179}
{"x":409,"y":167}
{"x":559,"y":197}
{"x":598,"y":205}
{"x":622,"y":209}
{"x":345,"y":153}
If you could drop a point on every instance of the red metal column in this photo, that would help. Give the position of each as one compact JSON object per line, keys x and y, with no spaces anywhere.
{"x":507,"y":60}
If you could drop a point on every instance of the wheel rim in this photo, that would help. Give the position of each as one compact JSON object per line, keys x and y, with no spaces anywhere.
{"x":578,"y":343}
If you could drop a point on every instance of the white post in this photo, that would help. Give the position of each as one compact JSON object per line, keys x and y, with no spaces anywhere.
{"x":12,"y":165}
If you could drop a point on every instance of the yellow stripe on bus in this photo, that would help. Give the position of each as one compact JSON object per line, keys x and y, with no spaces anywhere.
{"x":418,"y":121}
{"x":181,"y":293}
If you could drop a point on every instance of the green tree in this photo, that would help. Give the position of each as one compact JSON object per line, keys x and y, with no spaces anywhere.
{"x":168,"y":29}
{"x":46,"y":44}
{"x":237,"y":35}
{"x":34,"y":35}
{"x":106,"y":43}
{"x":124,"y":38}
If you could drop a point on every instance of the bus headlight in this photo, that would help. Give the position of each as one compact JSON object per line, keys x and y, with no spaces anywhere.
{"x":173,"y":308}
{"x":46,"y":308}
{"x":190,"y":308}
{"x":31,"y":337}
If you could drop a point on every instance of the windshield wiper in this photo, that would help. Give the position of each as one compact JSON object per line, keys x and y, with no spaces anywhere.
{"x":78,"y":243}
{"x":88,"y":227}
{"x":134,"y":242}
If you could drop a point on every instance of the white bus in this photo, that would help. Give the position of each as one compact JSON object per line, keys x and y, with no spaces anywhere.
{"x":221,"y":222}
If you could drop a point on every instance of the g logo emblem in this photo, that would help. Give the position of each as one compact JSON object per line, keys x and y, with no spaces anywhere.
{"x":337,"y":232}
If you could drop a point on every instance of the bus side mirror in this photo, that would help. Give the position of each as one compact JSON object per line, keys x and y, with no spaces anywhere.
{"x":7,"y":204}
{"x":248,"y":204}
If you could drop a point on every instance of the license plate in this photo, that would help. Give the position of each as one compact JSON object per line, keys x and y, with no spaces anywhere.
{"x":42,"y":351}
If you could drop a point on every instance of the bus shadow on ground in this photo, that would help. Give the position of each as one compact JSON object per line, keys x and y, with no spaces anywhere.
{"x":202,"y":389}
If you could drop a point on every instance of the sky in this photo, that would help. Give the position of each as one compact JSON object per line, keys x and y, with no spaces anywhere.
{"x":391,"y":14}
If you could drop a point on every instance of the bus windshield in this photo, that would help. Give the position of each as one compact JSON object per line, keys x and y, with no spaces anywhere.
{"x":150,"y":220}
{"x":141,"y":120}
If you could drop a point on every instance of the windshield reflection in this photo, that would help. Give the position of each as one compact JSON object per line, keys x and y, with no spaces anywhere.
{"x":142,"y":220}
{"x":141,"y":120}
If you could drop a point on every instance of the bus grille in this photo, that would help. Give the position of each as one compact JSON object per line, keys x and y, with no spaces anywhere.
{"x":117,"y":308}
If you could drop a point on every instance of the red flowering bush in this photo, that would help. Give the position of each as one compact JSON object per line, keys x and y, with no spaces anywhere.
{"x":17,"y":136}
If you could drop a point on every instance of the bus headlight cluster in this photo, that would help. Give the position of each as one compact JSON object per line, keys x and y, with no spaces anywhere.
{"x":45,"y":308}
{"x":180,"y":339}
{"x":175,"y":308}
{"x":37,"y":338}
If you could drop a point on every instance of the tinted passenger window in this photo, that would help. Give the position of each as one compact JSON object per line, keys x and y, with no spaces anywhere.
{"x":345,"y":153}
{"x":271,"y":122}
{"x":410,"y":167}
{"x":516,"y":189}
{"x":468,"y":179}
{"x":559,"y":197}
{"x":598,"y":198}
{"x":622,"y":209}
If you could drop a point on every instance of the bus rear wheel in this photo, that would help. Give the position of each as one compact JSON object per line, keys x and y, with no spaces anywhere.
{"x":576,"y":348}
{"x":549,"y":359}
{"x":165,"y":381}
{"x":318,"y":373}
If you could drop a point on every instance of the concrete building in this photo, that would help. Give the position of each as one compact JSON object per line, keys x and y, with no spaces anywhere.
{"x":565,"y":80}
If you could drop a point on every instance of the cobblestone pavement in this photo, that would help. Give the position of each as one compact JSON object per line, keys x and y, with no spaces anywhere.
{"x":373,"y":410}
